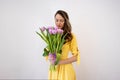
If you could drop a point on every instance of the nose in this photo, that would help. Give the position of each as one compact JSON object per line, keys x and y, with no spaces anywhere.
{"x":58,"y":23}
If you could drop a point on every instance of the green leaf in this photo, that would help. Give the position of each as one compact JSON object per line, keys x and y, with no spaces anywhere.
{"x":58,"y":58}
{"x":46,"y":52}
{"x":42,"y":37}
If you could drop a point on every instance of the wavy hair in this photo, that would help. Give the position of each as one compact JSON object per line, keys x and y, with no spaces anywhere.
{"x":67,"y":28}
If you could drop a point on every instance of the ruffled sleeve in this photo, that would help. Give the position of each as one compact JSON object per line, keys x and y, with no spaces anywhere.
{"x":74,"y":48}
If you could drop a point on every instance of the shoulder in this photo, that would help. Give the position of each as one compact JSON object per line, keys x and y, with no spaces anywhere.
{"x":73,"y":42}
{"x":73,"y":35}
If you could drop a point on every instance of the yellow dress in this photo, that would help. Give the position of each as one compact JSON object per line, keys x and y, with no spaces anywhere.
{"x":66,"y":71}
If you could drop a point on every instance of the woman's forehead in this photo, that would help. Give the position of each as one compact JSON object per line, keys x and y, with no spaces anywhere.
{"x":58,"y":16}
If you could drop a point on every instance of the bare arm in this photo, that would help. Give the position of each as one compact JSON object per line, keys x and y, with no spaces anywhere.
{"x":68,"y":60}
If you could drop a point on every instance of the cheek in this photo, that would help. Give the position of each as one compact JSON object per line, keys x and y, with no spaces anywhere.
{"x":59,"y":24}
{"x":56,"y":24}
{"x":62,"y":24}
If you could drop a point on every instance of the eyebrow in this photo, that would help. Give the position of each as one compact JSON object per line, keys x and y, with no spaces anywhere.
{"x":59,"y":19}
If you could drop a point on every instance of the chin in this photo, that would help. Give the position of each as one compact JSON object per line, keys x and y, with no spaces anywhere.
{"x":60,"y":27}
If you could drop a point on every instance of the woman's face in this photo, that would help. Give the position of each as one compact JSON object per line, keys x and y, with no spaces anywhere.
{"x":59,"y":21}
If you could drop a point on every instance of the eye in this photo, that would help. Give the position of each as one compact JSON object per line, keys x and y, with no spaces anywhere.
{"x":56,"y":20}
{"x":61,"y":20}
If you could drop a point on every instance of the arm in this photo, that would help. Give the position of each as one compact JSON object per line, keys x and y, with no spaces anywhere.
{"x":68,"y":60}
{"x":74,"y":51}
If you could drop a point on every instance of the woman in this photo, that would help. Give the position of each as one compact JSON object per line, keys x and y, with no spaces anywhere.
{"x":65,"y":69}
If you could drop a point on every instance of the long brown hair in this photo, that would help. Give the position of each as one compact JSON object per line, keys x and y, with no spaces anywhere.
{"x":67,"y":28}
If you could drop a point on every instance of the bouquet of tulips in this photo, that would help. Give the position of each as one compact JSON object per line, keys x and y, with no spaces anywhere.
{"x":54,"y":39}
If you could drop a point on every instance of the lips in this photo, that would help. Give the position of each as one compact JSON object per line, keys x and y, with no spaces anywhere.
{"x":59,"y":26}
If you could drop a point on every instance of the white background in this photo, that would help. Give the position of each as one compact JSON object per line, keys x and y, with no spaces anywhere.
{"x":96,"y":24}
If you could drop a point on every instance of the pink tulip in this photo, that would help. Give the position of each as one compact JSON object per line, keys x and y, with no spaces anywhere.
{"x":43,"y":29}
{"x":56,"y":28}
{"x":52,"y":58}
{"x":50,"y":27}
{"x":60,"y":31}
{"x":54,"y":31}
{"x":50,"y":31}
